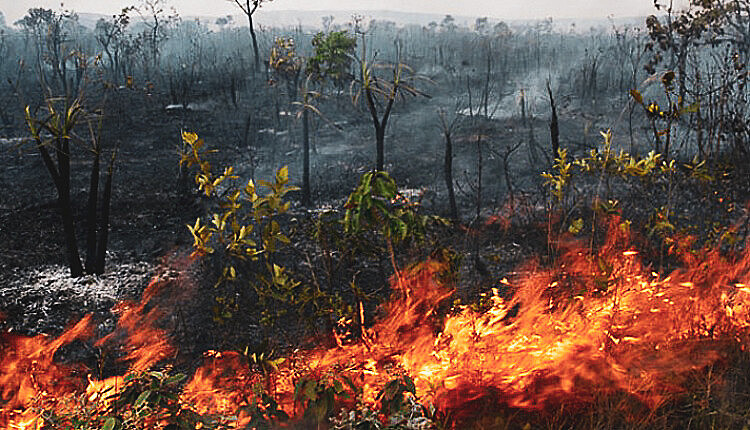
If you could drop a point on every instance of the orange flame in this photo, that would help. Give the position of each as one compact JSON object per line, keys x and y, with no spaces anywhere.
{"x":28,"y":372}
{"x":595,"y":323}
{"x":615,"y":328}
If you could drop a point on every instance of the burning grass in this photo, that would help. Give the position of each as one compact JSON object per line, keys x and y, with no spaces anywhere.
{"x":596,"y":330}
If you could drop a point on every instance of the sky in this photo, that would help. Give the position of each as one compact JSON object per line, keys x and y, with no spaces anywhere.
{"x":500,"y":9}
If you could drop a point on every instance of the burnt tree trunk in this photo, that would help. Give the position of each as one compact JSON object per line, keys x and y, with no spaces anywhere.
{"x":91,"y":213}
{"x":448,"y":173}
{"x":306,"y":199}
{"x":66,"y":207}
{"x":380,"y":149}
{"x":101,"y":251}
{"x":480,"y":162}
{"x":255,"y":41}
{"x":380,"y":125}
{"x":554,"y":128}
{"x":486,"y":95}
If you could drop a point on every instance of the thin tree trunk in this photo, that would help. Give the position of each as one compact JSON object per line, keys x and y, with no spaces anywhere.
{"x":63,"y":201}
{"x":448,"y":171}
{"x":486,"y":100}
{"x":554,"y":129}
{"x":66,"y":208}
{"x":101,"y":251}
{"x":306,"y":200}
{"x":479,"y":174}
{"x":66,"y":213}
{"x":91,"y":215}
{"x":380,"y":149}
{"x":255,"y":42}
{"x":380,"y":126}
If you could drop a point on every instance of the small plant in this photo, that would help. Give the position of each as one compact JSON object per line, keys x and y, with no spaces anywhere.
{"x":246,"y":233}
{"x":318,"y":396}
{"x":264,"y":411}
{"x":149,"y":398}
{"x":246,"y":227}
{"x":377,"y":205}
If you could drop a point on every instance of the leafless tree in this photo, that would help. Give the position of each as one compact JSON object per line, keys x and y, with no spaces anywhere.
{"x":249,"y":7}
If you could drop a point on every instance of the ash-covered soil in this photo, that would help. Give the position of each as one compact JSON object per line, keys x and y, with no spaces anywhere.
{"x":46,"y":299}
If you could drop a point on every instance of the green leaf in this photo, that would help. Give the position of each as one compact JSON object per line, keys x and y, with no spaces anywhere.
{"x":175,"y":379}
{"x":109,"y":424}
{"x":310,"y":390}
{"x":410,"y":387}
{"x":142,"y":398}
{"x":692,"y":108}
{"x":400,"y":229}
{"x":385,"y":187}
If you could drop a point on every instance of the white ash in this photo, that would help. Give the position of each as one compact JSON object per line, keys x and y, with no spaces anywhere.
{"x":42,"y":299}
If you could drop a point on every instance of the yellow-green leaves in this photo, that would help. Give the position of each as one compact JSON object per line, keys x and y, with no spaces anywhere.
{"x":282,"y":175}
{"x":201,"y":236}
{"x":576,"y":226}
{"x":244,"y":225}
{"x":559,"y":180}
{"x":699,"y":170}
{"x":31,"y":122}
{"x":190,"y":138}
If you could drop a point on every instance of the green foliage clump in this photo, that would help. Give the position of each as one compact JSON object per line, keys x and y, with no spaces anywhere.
{"x":377,"y":205}
{"x":245,"y":229}
{"x":318,"y":396}
{"x":332,"y":58}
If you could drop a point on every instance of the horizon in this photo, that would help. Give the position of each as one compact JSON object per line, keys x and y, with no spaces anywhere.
{"x":507,"y":10}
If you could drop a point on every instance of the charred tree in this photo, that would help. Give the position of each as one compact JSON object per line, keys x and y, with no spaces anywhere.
{"x":91,"y":257}
{"x":447,"y":127}
{"x":554,"y":128}
{"x":306,"y":198}
{"x":52,"y":137}
{"x":101,"y":249}
{"x":249,"y":7}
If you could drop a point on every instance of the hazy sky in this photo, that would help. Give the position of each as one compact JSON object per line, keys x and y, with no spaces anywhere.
{"x":501,"y":9}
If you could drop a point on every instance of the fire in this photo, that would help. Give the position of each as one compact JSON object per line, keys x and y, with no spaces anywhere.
{"x":31,"y":381}
{"x":594,"y":324}
{"x":28,"y":373}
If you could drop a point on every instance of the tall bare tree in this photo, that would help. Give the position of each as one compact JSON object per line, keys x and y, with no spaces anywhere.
{"x":158,"y":16}
{"x":50,"y":33}
{"x":448,"y":125}
{"x":111,"y":35}
{"x":249,"y":7}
